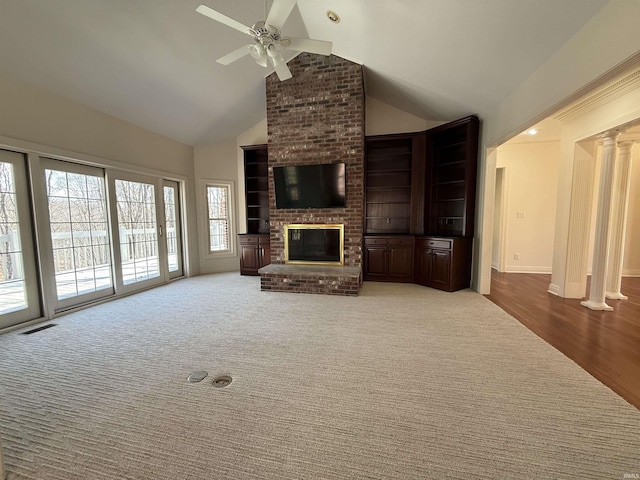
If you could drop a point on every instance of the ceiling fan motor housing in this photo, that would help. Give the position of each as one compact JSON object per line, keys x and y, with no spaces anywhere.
{"x":263,"y":32}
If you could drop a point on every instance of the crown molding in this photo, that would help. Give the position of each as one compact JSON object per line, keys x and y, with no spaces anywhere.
{"x":611,"y":91}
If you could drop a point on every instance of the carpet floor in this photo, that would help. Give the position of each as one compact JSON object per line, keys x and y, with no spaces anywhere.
{"x":400,"y":382}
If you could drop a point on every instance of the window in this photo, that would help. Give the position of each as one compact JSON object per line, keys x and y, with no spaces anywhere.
{"x":219,"y":217}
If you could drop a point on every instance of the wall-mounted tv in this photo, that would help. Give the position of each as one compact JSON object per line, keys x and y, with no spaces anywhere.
{"x":310,"y":186}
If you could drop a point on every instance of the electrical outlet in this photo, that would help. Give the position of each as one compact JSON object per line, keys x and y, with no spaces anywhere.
{"x":520,"y":214}
{"x":516,"y":256}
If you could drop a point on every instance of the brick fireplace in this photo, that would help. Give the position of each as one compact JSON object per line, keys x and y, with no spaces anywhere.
{"x":318,"y":117}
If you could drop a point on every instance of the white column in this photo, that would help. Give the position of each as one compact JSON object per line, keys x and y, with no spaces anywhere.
{"x":619,"y":220}
{"x":601,"y":245}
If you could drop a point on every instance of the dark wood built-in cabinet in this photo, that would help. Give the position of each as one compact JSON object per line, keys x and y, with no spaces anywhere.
{"x":388,"y":258}
{"x":255,"y":251}
{"x":422,"y":184}
{"x":443,"y":263}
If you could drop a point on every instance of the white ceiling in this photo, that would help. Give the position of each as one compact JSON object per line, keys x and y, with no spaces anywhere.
{"x":152,"y":62}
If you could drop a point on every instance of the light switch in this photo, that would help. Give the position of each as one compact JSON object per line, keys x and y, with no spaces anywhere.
{"x":520,"y":214}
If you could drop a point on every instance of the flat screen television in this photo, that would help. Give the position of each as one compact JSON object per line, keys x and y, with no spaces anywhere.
{"x":310,"y":186}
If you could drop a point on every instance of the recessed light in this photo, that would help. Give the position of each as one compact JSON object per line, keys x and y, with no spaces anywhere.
{"x":532,"y":131}
{"x":333,"y":16}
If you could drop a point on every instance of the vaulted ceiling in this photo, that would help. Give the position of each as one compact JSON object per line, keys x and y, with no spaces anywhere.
{"x":152,"y":62}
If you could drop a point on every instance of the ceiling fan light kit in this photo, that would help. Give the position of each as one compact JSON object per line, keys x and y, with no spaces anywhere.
{"x":268,"y":41}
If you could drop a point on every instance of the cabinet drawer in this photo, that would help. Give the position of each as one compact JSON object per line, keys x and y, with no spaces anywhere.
{"x":375,"y":240}
{"x":264,"y":240}
{"x":401,"y":241}
{"x":244,"y":240}
{"x":443,"y":243}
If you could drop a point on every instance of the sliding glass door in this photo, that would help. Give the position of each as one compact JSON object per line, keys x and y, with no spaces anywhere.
{"x":79,"y":233}
{"x":19,"y":295}
{"x":141,"y":259}
{"x":100,"y":233}
{"x":172,"y":231}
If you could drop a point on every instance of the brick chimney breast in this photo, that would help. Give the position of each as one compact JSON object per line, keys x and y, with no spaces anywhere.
{"x":318,"y":117}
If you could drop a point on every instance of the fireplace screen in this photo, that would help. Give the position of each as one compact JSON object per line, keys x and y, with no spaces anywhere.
{"x":310,"y":244}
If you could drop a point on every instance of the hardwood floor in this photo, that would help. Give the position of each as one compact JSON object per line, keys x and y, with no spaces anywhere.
{"x":605,"y":344}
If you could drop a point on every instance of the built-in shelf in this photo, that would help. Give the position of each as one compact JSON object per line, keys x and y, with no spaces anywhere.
{"x":256,"y":181}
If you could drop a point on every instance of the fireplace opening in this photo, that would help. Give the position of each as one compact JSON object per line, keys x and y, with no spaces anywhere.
{"x":314,"y":244}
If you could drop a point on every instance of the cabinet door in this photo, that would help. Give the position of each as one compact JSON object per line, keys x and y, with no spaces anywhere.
{"x":249,"y":259}
{"x":423,"y":265}
{"x":401,"y":263}
{"x":265,"y":255}
{"x":441,"y":268}
{"x":375,"y":262}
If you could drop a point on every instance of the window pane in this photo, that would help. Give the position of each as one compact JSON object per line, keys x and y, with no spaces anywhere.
{"x":77,"y":207}
{"x":137,"y":230}
{"x":171,"y":230}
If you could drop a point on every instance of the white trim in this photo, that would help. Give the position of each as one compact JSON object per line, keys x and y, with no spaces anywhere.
{"x":630,"y":272}
{"x":554,"y":289}
{"x":505,"y":219}
{"x":624,"y":85}
{"x":525,"y":269}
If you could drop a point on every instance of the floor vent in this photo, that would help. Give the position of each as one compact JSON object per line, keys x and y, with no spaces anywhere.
{"x":198,"y":376}
{"x":39,"y":329}
{"x":222,"y":381}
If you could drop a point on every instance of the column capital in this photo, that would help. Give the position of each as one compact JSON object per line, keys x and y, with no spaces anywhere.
{"x":609,"y":135}
{"x":626,"y":143}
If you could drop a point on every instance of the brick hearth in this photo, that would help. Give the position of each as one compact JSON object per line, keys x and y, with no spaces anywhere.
{"x":311,"y":279}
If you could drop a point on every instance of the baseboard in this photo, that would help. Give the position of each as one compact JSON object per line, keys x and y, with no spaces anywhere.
{"x":631,"y":272}
{"x":554,"y":289}
{"x":518,"y":269}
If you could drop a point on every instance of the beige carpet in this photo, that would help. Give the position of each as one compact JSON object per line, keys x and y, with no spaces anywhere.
{"x":400,"y":382}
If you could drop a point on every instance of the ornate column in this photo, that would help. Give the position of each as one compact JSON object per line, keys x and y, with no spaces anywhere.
{"x":601,"y":246}
{"x":619,"y":220}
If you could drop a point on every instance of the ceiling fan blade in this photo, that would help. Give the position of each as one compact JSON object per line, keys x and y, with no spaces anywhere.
{"x":280,"y":66}
{"x":235,"y":55}
{"x":280,"y":10}
{"x":308,"y":45}
{"x":219,"y":17}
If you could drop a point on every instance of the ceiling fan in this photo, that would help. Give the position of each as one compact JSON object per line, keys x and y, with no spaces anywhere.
{"x":268,"y":43}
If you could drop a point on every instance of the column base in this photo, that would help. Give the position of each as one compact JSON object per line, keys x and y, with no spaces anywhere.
{"x":554,"y":289}
{"x":616,"y":296}
{"x":596,"y":305}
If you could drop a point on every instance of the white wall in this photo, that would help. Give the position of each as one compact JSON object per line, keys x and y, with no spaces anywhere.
{"x":498,"y":220}
{"x":631,"y":264}
{"x":382,"y":118}
{"x":40,"y":117}
{"x":33,"y":119}
{"x":607,"y":43}
{"x":215,"y":162}
{"x":531,"y":171}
